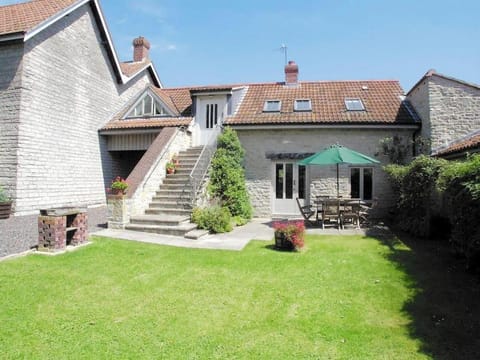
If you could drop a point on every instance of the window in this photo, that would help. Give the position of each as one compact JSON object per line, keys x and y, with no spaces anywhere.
{"x":211,"y":115}
{"x":272,"y":106}
{"x":147,"y":106}
{"x":302,"y":105}
{"x":302,"y":180}
{"x":354,"y":105}
{"x":361,"y":183}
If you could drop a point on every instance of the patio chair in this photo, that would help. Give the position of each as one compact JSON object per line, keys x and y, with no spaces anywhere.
{"x":366,"y":211}
{"x":351,"y":213}
{"x":331,"y":212}
{"x":307,"y":211}
{"x":319,"y":202}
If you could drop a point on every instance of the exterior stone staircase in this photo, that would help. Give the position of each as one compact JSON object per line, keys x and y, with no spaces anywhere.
{"x":170,"y":209}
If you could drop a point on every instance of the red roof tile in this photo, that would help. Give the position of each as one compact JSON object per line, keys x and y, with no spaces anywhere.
{"x":383,"y":101}
{"x":461,"y":145}
{"x":131,"y":68}
{"x":20,"y":18}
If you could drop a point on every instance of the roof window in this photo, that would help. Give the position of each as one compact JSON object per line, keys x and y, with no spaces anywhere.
{"x":147,"y":106}
{"x":354,"y":105}
{"x":272,"y":106}
{"x":302,"y":105}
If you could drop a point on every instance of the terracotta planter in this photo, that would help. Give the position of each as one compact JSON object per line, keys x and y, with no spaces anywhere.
{"x":5,"y":209}
{"x":170,"y":171}
{"x":282,"y":243}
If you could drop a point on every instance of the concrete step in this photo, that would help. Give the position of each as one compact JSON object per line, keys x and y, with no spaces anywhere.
{"x":167,"y":220}
{"x":176,"y":180}
{"x":169,"y":204}
{"x":167,"y":211}
{"x":179,"y":230}
{"x":196,"y":234}
{"x":174,"y":186}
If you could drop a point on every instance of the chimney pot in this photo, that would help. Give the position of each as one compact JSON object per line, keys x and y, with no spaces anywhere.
{"x":291,"y":73}
{"x":140,"y":48}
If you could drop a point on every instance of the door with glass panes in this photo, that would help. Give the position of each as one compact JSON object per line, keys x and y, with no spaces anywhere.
{"x":289,"y":182}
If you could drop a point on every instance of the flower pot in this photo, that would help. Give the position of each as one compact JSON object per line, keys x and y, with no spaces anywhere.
{"x":281,"y":242}
{"x":5,"y":209}
{"x":170,"y":171}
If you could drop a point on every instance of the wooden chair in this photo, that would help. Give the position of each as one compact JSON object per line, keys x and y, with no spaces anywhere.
{"x":351,"y":213}
{"x":319,"y":202}
{"x":307,"y":212}
{"x":331,"y":211}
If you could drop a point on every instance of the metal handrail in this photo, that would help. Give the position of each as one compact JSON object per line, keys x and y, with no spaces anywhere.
{"x":197,"y":175}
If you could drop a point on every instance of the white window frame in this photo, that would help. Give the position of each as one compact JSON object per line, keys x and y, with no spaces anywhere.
{"x":132,"y":112}
{"x":362,"y":184}
{"x":266,"y":109}
{"x":295,"y":105}
{"x":349,"y":101}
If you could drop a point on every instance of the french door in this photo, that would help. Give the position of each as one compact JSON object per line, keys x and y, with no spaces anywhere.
{"x":289,"y":182}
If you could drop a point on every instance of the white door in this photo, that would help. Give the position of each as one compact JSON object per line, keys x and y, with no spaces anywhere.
{"x":210,"y":115}
{"x":289,"y":182}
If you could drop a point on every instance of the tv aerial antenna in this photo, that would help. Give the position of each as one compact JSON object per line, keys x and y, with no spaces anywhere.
{"x":284,"y":49}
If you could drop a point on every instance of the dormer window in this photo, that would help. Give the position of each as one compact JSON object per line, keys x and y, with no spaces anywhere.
{"x":302,"y":105}
{"x":354,"y":105}
{"x":272,"y":106}
{"x":148,"y":106}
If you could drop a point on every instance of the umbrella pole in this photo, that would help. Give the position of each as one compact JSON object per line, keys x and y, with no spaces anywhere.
{"x":338,"y":185}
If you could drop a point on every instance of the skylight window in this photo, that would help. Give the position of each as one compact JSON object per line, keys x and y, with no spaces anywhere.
{"x":272,"y":106}
{"x":148,"y":106}
{"x":354,"y":105}
{"x":302,"y":105}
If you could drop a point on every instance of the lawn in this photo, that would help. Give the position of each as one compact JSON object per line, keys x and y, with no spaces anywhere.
{"x":342,"y":298}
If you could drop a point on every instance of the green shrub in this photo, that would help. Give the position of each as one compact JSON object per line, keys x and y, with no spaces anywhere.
{"x":227,"y":177}
{"x":415,"y":184}
{"x":215,"y":219}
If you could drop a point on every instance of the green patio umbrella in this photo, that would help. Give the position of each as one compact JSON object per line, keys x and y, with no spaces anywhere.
{"x":336,"y":155}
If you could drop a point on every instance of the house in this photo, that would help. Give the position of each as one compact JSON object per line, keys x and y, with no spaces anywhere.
{"x":450,"y":112}
{"x":60,"y":81}
{"x":72,"y":117}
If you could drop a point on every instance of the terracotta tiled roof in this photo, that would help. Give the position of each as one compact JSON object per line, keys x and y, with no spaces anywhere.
{"x":177,"y":100}
{"x":146,"y":123}
{"x":382,"y":100}
{"x":131,"y":68}
{"x":465,"y":144}
{"x":20,"y":18}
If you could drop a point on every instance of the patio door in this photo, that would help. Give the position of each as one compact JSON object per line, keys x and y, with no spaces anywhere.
{"x":289,"y":182}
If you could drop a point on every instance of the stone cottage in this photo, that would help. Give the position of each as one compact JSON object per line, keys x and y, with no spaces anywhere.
{"x":72,"y":117}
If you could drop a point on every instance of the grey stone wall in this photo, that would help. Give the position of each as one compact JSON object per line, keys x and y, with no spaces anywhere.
{"x":10,"y":92}
{"x":448,"y":109}
{"x":69,"y":92}
{"x":259,"y":169}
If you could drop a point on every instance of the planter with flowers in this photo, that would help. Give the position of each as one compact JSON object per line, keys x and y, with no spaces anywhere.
{"x":289,"y":235}
{"x":170,"y":167}
{"x":118,"y":215}
{"x":5,"y":205}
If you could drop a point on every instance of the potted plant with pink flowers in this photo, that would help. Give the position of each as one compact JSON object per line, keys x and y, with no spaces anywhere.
{"x":289,"y":235}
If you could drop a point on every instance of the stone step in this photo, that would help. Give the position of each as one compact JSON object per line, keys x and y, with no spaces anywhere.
{"x":167,"y":212}
{"x":174,"y":186}
{"x":176,"y":180}
{"x":167,"y":220}
{"x":179,"y":230}
{"x":170,"y":204}
{"x":196,"y":234}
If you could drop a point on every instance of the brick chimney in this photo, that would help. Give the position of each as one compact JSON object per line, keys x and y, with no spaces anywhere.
{"x":140,"y":48}
{"x":291,"y":73}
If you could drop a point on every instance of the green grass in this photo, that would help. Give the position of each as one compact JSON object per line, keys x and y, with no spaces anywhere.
{"x":342,"y":298}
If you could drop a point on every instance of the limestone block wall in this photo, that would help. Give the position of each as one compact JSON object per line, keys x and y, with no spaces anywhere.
{"x":259,"y":169}
{"x":11,"y":65}
{"x":448,"y":109}
{"x":69,"y":92}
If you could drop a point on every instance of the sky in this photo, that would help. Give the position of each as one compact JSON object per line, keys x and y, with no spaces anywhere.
{"x":230,"y":42}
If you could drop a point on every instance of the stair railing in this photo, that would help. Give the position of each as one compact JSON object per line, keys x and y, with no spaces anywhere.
{"x":196,"y":177}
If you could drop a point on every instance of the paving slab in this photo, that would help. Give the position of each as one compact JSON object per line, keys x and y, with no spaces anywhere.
{"x":257,"y":229}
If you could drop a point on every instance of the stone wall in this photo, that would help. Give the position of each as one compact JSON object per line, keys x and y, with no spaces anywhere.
{"x":10,"y":92}
{"x":69,"y":92}
{"x":449,"y":109}
{"x":259,"y":170}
